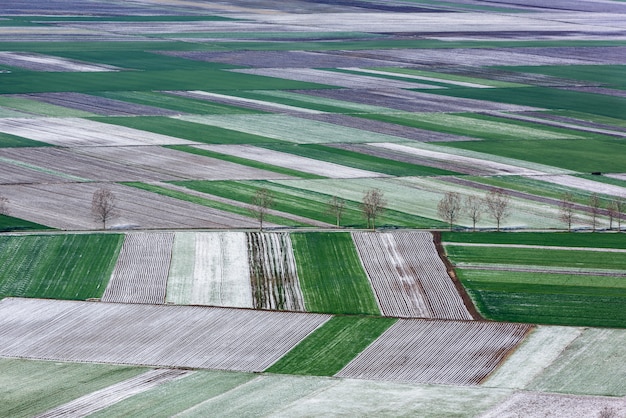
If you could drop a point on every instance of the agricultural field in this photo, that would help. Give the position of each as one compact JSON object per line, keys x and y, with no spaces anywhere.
{"x":185,"y":110}
{"x":549,"y":278}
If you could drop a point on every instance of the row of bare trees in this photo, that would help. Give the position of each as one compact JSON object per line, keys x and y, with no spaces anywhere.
{"x":372,"y":206}
{"x":614,"y":210}
{"x":496,"y":204}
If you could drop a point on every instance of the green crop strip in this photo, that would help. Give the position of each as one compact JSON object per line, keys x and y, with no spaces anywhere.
{"x":560,"y":239}
{"x":244,"y":161}
{"x":544,"y":97}
{"x":9,"y":223}
{"x":358,"y":160}
{"x":74,"y":267}
{"x":512,"y":296}
{"x":331,"y":275}
{"x":191,"y":131}
{"x":327,"y":350}
{"x":536,"y":257}
{"x":12,"y":141}
{"x":581,"y":155}
{"x":606,"y":75}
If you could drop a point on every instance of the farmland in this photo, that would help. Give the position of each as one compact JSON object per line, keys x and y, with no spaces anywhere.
{"x":184,"y":304}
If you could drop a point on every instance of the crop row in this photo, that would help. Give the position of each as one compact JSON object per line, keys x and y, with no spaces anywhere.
{"x":140,"y":275}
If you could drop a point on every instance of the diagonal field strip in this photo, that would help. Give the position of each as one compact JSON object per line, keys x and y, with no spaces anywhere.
{"x":154,"y":335}
{"x":440,"y":352}
{"x":100,"y":399}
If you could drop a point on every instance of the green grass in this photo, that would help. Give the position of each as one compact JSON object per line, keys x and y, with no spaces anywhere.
{"x":245,"y":161}
{"x":561,"y":239}
{"x":547,"y":98}
{"x":331,"y":275}
{"x":191,"y":131}
{"x":358,"y":160}
{"x":176,"y":103}
{"x":327,"y":350}
{"x":9,"y":223}
{"x":449,"y":77}
{"x":12,"y":141}
{"x":31,"y":387}
{"x":63,"y":266}
{"x":580,"y":155}
{"x":41,"y":108}
{"x":536,"y":257}
{"x":176,"y":194}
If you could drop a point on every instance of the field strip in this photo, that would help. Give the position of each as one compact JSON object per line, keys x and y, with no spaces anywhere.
{"x":540,"y":348}
{"x":290,"y":128}
{"x":170,"y":163}
{"x":221,"y":276}
{"x":76,"y":132}
{"x":304,"y":96}
{"x":420,"y":77}
{"x":408,"y":277}
{"x":74,"y":165}
{"x":558,"y":124}
{"x":543,"y":247}
{"x":332,"y":78}
{"x":444,"y":352}
{"x":155,"y":335}
{"x":593,"y":364}
{"x":100,"y":399}
{"x":294,"y":162}
{"x":97,"y":105}
{"x":494,"y":168}
{"x":40,"y":62}
{"x":586,"y":185}
{"x":273,"y":274}
{"x":245,"y":102}
{"x":140,"y":275}
{"x":182,"y":269}
{"x":274,"y":212}
{"x":541,"y":269}
{"x":539,"y":405}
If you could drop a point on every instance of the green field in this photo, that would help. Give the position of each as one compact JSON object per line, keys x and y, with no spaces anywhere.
{"x":12,"y":141}
{"x":332,"y":346}
{"x":560,"y":239}
{"x":9,"y":223}
{"x":331,"y":275}
{"x":581,"y":155}
{"x":459,"y":254}
{"x":32,"y":387}
{"x":547,"y":298}
{"x":57,"y":266}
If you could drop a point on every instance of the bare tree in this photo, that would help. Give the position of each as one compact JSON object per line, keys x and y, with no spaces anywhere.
{"x":336,"y":206}
{"x":4,"y":206}
{"x":262,"y":201}
{"x":594,"y":205}
{"x":103,"y":206}
{"x":449,"y":208}
{"x":615,"y":209}
{"x":473,"y":206}
{"x":497,"y":203}
{"x":373,"y":206}
{"x":566,"y":209}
